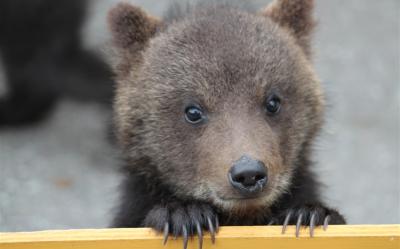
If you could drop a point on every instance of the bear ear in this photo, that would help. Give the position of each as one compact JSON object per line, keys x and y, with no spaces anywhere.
{"x":296,"y":16}
{"x":131,"y":27}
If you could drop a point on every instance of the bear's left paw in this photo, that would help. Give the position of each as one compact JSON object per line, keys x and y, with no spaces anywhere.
{"x":183,"y":220}
{"x":311,"y":215}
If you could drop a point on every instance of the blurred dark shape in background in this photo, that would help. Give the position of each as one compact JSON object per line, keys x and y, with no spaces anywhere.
{"x":44,"y":59}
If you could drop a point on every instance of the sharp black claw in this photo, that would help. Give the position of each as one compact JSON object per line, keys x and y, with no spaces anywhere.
{"x":211,"y":228}
{"x":286,"y":222}
{"x":298,"y":224}
{"x":185,"y":237}
{"x":312,"y":224}
{"x":326,"y":222}
{"x":166,"y":232}
{"x":200,"y":234}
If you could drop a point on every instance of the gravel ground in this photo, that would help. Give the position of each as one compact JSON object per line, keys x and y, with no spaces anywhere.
{"x":62,"y":173}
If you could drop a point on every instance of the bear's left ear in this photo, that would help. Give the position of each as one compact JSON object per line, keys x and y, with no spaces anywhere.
{"x":296,"y":16}
{"x":131,"y":27}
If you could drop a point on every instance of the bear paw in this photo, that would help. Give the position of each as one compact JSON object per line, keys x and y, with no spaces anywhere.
{"x":183,"y":220}
{"x":311,"y":215}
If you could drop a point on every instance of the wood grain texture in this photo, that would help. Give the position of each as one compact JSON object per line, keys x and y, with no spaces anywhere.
{"x":254,"y":237}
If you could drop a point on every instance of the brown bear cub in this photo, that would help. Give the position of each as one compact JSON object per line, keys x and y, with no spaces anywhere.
{"x":216,"y":111}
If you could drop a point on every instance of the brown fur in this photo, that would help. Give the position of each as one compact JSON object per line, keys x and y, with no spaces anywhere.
{"x":228,"y":61}
{"x":131,"y":29}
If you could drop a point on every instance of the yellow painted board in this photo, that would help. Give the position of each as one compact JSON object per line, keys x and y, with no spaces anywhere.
{"x":240,"y":237}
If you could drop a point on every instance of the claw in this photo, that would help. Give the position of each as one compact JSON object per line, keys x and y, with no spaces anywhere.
{"x":312,"y":224}
{"x":211,"y":228}
{"x":216,"y":224}
{"x":326,"y":222}
{"x":200,"y":234}
{"x":175,"y":233}
{"x":298,"y":224}
{"x":286,"y":222}
{"x":166,"y":232}
{"x":271,"y":222}
{"x":185,"y":237}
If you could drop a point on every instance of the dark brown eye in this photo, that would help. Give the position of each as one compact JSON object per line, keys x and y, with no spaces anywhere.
{"x":193,"y":114}
{"x":273,"y":104}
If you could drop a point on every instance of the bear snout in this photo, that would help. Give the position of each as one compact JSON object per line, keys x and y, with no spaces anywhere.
{"x":248,"y":176}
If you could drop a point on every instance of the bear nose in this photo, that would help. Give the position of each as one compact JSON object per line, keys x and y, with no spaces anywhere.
{"x":248,"y":176}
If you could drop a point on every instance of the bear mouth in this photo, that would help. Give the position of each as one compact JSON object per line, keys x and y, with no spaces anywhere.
{"x":240,"y":204}
{"x":236,"y":196}
{"x":240,"y":198}
{"x":236,"y":200}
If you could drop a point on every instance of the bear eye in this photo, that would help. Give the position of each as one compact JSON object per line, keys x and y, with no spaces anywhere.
{"x":273,"y":104}
{"x":193,"y":114}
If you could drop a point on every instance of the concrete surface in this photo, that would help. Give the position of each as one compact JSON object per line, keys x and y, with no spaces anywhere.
{"x":62,"y":173}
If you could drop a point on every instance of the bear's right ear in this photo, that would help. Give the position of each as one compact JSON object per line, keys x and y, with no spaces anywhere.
{"x":131,"y":27}
{"x":296,"y":16}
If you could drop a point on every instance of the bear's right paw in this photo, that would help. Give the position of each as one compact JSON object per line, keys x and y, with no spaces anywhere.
{"x":183,"y":220}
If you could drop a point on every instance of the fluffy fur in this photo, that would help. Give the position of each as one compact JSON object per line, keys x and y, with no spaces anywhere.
{"x":228,"y":61}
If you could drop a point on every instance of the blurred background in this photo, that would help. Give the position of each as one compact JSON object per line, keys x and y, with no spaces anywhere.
{"x":58,"y":164}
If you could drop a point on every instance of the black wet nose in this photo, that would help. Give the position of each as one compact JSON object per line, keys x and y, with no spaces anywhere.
{"x":248,"y":176}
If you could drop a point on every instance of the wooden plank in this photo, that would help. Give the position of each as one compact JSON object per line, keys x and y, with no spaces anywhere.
{"x":243,"y":237}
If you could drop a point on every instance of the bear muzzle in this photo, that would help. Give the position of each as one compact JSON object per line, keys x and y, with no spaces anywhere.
{"x":248,"y":176}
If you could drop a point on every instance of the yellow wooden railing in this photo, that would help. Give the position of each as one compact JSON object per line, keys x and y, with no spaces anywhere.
{"x":265,"y":237}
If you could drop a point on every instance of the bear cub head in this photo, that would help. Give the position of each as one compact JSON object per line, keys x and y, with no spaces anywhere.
{"x":216,"y":103}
